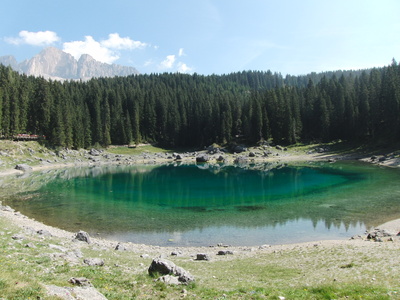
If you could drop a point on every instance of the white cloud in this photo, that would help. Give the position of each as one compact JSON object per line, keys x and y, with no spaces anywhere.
{"x":114,"y":41}
{"x":105,"y":50}
{"x":40,"y":38}
{"x":168,"y":63}
{"x":172,"y":63}
{"x":183,"y":68}
{"x":93,"y":48}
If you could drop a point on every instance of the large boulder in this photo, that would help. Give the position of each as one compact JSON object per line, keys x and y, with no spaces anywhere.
{"x":167,"y":267}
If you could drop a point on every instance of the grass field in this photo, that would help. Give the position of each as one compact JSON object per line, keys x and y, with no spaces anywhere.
{"x":340,"y":271}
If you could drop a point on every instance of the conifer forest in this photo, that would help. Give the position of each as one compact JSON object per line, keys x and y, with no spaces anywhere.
{"x":181,"y":110}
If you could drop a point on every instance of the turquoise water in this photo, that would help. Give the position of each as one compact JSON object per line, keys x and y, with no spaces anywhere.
{"x":201,"y":205}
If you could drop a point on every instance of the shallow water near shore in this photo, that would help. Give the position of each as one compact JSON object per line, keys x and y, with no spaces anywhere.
{"x":202,"y":205}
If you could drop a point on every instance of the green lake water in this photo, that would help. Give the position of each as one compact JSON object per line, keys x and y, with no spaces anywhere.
{"x":201,"y":205}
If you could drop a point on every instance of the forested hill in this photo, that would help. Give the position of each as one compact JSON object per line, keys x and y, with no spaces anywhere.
{"x":195,"y":110}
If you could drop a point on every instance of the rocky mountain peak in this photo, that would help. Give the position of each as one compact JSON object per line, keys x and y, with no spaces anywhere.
{"x":53,"y":63}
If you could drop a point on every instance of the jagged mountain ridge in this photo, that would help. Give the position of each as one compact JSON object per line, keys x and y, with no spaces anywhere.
{"x":53,"y":63}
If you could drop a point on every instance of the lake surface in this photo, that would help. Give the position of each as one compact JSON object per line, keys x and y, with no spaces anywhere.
{"x":202,"y":205}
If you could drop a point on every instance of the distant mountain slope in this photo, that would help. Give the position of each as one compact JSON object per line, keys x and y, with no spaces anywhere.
{"x":53,"y":63}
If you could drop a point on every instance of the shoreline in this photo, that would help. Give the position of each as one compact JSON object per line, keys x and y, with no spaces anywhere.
{"x":33,"y":250}
{"x":277,"y":156}
{"x":25,"y":223}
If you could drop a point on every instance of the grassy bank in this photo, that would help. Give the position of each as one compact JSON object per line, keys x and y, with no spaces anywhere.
{"x":323,"y":270}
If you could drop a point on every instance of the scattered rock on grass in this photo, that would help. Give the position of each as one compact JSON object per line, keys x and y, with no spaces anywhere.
{"x":202,"y":256}
{"x":43,"y":232}
{"x":94,"y":262}
{"x":18,"y":237}
{"x":23,"y":167}
{"x":83,"y":236}
{"x":225,"y":252}
{"x":120,"y":247}
{"x":81,"y":281}
{"x":167,"y":267}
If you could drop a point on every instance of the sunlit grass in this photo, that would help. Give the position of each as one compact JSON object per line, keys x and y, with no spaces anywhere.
{"x":125,"y":150}
{"x":294,"y":274}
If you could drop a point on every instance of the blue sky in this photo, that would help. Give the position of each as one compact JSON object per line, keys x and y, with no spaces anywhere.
{"x":209,"y":36}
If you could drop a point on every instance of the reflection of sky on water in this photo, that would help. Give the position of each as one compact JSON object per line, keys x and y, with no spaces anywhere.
{"x":293,"y":231}
{"x":188,"y":205}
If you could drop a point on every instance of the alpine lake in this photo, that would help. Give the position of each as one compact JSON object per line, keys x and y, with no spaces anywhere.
{"x":204,"y":204}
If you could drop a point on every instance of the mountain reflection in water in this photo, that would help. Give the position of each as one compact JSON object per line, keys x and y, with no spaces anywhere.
{"x":208,"y":204}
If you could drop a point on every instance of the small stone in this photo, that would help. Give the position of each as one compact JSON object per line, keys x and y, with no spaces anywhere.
{"x":83,"y":236}
{"x":202,"y":256}
{"x":225,"y":252}
{"x":23,"y":167}
{"x":43,"y":232}
{"x":221,"y":158}
{"x":80,"y":281}
{"x":18,"y":237}
{"x":94,"y":261}
{"x":120,"y":247}
{"x":202,"y":158}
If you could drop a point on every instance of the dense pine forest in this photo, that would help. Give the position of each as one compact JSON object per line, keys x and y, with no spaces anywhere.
{"x":179,"y":110}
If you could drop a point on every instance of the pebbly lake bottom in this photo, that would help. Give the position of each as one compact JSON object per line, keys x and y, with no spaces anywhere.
{"x":202,"y":205}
